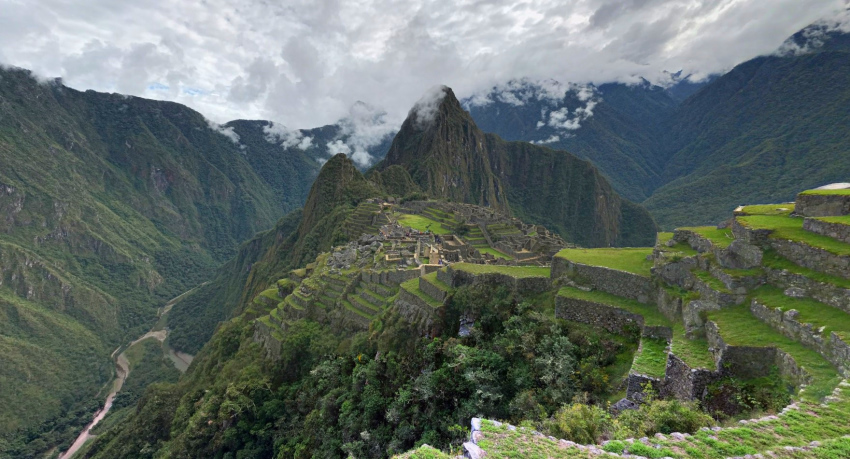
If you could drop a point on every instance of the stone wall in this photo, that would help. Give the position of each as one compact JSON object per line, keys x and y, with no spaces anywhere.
{"x":612,"y":319}
{"x":831,"y":347}
{"x":683,"y":382}
{"x":432,"y":290}
{"x":522,"y":287}
{"x":817,"y":205}
{"x":389,"y":277}
{"x":620,"y":283}
{"x":668,"y":304}
{"x":692,"y":316}
{"x":637,"y":383}
{"x":749,"y":235}
{"x":753,"y":362}
{"x":797,"y":285}
{"x":837,"y":231}
{"x":424,"y":317}
{"x":813,"y":258}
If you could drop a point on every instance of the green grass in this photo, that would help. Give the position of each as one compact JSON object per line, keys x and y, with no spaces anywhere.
{"x":418,"y":222}
{"x":650,"y":314}
{"x":412,"y":286}
{"x":663,"y":238}
{"x":348,"y":306}
{"x":271,"y":294}
{"x":719,"y":237}
{"x":518,"y":272}
{"x":694,"y":352}
{"x":844,"y":192}
{"x":769,"y":209}
{"x":791,"y":228}
{"x":495,"y":253}
{"x":843,"y":219}
{"x":651,"y":359}
{"x":773,"y":260}
{"x":738,"y":327}
{"x":424,"y":452}
{"x":633,"y":260}
{"x":713,"y":282}
{"x":811,"y":311}
{"x":431,"y":278}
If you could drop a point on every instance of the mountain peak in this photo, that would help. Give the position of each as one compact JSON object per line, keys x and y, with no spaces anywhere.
{"x":437,"y":101}
{"x":339,"y":182}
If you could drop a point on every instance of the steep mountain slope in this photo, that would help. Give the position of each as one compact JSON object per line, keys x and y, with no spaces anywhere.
{"x":449,"y":157}
{"x":760,"y":132}
{"x":295,"y":240}
{"x":615,"y":126}
{"x":110,"y":206}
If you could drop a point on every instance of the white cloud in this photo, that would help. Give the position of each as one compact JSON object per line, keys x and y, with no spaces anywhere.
{"x":551,"y":139}
{"x":225,"y":131}
{"x":287,"y":138}
{"x":305,"y":62}
{"x":425,"y":109}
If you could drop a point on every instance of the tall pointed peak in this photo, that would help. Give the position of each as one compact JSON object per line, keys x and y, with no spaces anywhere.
{"x":434,"y":105}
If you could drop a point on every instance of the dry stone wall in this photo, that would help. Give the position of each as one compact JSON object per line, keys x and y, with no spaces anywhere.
{"x":822,"y":205}
{"x":683,"y":382}
{"x":813,"y":258}
{"x":615,"y":282}
{"x":798,"y":286}
{"x":831,"y":346}
{"x":837,"y":231}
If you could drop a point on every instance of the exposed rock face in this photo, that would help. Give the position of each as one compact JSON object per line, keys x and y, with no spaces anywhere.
{"x":449,"y":157}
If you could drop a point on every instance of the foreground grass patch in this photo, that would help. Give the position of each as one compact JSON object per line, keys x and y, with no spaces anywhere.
{"x":651,"y":359}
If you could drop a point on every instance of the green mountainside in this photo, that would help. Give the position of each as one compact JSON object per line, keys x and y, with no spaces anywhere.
{"x":448,"y":157}
{"x":110,"y":205}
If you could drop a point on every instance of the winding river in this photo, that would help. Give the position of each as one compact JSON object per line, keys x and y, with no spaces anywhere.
{"x":122,"y":370}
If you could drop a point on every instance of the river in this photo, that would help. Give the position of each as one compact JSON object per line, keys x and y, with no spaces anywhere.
{"x":122,"y":370}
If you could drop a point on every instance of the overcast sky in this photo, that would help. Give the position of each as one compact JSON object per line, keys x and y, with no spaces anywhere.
{"x":304,"y":63}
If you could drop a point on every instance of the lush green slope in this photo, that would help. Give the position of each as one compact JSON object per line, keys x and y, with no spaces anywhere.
{"x":622,"y":137}
{"x":450,"y":158}
{"x":110,"y":205}
{"x":769,"y":127}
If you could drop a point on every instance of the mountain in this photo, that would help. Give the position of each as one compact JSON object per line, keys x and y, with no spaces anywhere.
{"x":615,"y":126}
{"x":449,"y":157}
{"x":111,"y":205}
{"x":760,"y":132}
{"x":295,"y":240}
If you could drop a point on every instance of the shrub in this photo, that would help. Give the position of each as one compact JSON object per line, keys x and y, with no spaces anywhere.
{"x":664,"y":416}
{"x":581,"y":422}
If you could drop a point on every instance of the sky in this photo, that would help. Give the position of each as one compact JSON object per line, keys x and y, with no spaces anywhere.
{"x":305,"y":63}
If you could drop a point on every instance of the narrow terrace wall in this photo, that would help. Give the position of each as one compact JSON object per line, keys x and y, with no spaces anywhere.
{"x":523,"y":287}
{"x":813,"y":258}
{"x":837,"y":231}
{"x":683,"y":382}
{"x":816,"y":205}
{"x":797,"y":285}
{"x":831,"y":347}
{"x":619,"y":283}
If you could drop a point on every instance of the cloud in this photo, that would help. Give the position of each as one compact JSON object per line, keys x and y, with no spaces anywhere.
{"x":551,"y":139}
{"x":365,"y":127}
{"x":287,"y":138}
{"x":425,"y":110}
{"x":225,"y":131}
{"x":304,"y":63}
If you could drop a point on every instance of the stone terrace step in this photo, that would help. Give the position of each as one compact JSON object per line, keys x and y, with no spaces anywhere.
{"x":363,"y":305}
{"x":837,"y":228}
{"x":372,"y":297}
{"x":362,"y":317}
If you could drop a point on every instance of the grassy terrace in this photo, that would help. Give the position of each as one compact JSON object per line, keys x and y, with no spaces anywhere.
{"x":418,"y":222}
{"x":811,"y":311}
{"x":769,"y":209}
{"x":718,"y":237}
{"x":774,"y":260}
{"x":633,"y":260}
{"x":844,"y":192}
{"x":694,"y":352}
{"x":792,"y":229}
{"x":518,"y":272}
{"x":712,"y":281}
{"x":650,"y":314}
{"x":738,"y":327}
{"x":495,"y":253}
{"x":431,"y":278}
{"x":843,"y":219}
{"x":412,"y":286}
{"x":651,"y":359}
{"x":812,"y":422}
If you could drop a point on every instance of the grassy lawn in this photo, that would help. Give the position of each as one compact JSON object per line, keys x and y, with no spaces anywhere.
{"x":662,"y":238}
{"x":712,"y":281}
{"x":412,"y":286}
{"x":650,"y":313}
{"x":651,"y":359}
{"x":694,"y":352}
{"x":738,"y":327}
{"x":518,"y":272}
{"x":718,"y":237}
{"x":770,"y":209}
{"x":495,"y":253}
{"x":418,"y":222}
{"x":792,"y":229}
{"x":631,"y":260}
{"x":844,"y":192}
{"x":811,"y":311}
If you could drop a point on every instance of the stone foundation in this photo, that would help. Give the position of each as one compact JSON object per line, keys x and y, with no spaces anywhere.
{"x":822,"y":205}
